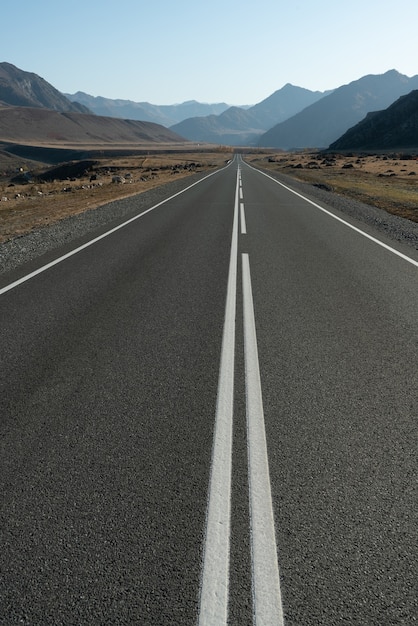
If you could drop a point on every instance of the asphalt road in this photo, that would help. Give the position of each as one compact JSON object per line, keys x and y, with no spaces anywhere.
{"x":210,"y":416}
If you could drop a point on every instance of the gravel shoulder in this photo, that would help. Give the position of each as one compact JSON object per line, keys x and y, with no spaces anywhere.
{"x":76,"y":229}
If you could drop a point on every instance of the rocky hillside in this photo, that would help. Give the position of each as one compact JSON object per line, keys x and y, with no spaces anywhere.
{"x":25,"y":89}
{"x":393,"y":128}
{"x":323,"y":122}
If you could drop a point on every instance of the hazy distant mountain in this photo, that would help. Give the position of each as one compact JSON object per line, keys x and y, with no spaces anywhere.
{"x":284,"y":103}
{"x":167,"y":115}
{"x":235,"y":126}
{"x":395,"y":127}
{"x":19,"y":88}
{"x":41,"y":126}
{"x":323,"y":122}
{"x":244,"y":126}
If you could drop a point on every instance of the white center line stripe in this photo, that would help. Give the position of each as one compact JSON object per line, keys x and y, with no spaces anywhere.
{"x":243,"y":222}
{"x":266,"y":582}
{"x":215,"y":574}
{"x":240,"y":194}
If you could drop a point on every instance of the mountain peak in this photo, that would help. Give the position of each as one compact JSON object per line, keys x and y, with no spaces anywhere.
{"x":26,"y":89}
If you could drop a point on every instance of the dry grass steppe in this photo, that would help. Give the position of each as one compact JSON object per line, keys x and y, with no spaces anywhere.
{"x":25,"y":206}
{"x":386,"y":181}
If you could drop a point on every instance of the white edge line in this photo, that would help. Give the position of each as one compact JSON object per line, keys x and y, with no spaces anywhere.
{"x":213,"y":609}
{"x":266,"y":579}
{"x":96,"y":239}
{"x":339,"y":219}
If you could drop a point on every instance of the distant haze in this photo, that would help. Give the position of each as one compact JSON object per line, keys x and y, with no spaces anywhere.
{"x":167,"y":115}
{"x":237,"y":51}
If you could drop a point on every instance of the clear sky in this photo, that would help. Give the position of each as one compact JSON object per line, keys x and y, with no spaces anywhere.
{"x":234,"y":51}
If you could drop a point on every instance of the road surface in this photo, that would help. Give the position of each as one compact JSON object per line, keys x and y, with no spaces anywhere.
{"x":209,"y":415}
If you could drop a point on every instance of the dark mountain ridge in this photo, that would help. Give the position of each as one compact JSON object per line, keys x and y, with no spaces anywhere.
{"x":393,"y":128}
{"x":25,"y":89}
{"x":324,"y":121}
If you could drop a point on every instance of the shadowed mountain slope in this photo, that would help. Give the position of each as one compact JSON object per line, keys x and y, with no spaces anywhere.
{"x":395,"y":127}
{"x":25,"y":89}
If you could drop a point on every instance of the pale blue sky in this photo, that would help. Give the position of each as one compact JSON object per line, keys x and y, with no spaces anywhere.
{"x":239,"y":52}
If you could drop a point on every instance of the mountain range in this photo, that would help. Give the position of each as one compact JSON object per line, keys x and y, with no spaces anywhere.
{"x":244,"y":127}
{"x":167,"y":115}
{"x":32,"y":110}
{"x":290,"y":118}
{"x":323,"y":122}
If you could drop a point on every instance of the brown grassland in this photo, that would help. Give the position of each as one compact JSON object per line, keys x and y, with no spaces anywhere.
{"x":386,"y":181}
{"x":35,"y":204}
{"x":389,"y":182}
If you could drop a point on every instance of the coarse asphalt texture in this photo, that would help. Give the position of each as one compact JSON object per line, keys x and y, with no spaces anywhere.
{"x":110,"y":366}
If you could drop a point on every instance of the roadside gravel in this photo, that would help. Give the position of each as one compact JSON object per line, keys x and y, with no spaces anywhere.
{"x":75,"y":229}
{"x":24,"y":249}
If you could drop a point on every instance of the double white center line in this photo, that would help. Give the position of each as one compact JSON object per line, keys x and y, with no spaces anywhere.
{"x":267,"y":606}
